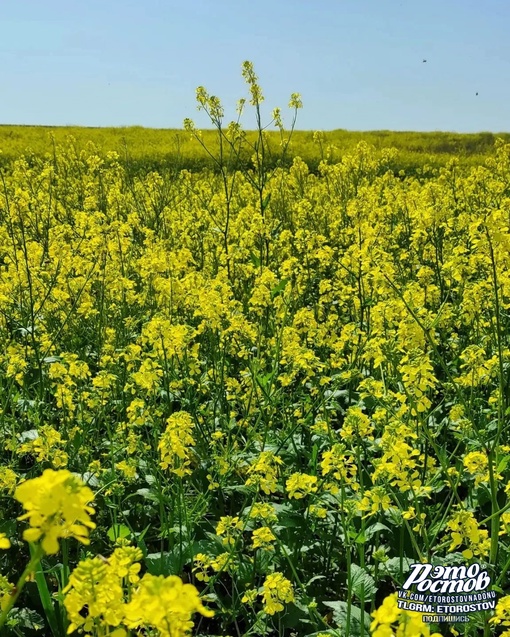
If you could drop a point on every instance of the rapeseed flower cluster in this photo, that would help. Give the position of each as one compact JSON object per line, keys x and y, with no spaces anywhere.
{"x":263,"y":538}
{"x":101,"y":592}
{"x":465,"y":531}
{"x":275,"y":591}
{"x":113,"y":594}
{"x":166,"y":604}
{"x":57,"y":506}
{"x":502,"y":614}
{"x":176,"y":444}
{"x":263,"y":472}
{"x":6,"y":590}
{"x":409,"y":623}
{"x":299,"y":485}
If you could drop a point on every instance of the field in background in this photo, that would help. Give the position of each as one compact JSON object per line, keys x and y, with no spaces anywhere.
{"x":144,"y":149}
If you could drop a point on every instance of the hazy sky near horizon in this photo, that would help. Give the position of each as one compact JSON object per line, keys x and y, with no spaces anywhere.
{"x":358,"y":64}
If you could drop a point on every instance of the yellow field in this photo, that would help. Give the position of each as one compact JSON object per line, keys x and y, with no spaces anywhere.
{"x":146,"y":148}
{"x":244,"y":402}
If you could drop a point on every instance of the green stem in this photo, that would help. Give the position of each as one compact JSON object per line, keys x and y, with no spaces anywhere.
{"x":57,"y":628}
{"x":494,"y":511}
{"x":30,"y":568}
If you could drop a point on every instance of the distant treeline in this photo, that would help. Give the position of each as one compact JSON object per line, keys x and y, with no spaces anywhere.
{"x":146,"y":149}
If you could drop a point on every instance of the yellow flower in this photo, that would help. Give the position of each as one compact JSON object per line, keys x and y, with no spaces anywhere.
{"x":229,"y":527}
{"x":262,"y":538}
{"x":477,"y":464}
{"x":295,"y":101}
{"x":95,"y":587}
{"x":464,"y":530}
{"x":275,"y":590}
{"x":356,"y":426}
{"x":4,"y":542}
{"x":263,"y":510}
{"x":263,"y":472}
{"x":203,"y":562}
{"x":46,"y":447}
{"x":502,"y":614}
{"x":166,"y":604}
{"x":317,"y":511}
{"x":6,"y":589}
{"x":301,"y":484}
{"x":410,"y":514}
{"x":410,"y":623}
{"x":127,"y":469}
{"x":8,"y":480}
{"x":387,"y":613}
{"x":223,"y":562}
{"x":176,"y":443}
{"x":341,"y":464}
{"x":374,"y":500}
{"x":57,"y":505}
{"x":249,"y":596}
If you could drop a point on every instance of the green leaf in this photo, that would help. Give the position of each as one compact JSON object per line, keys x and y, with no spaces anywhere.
{"x":371,"y":530}
{"x":162,"y":563}
{"x":279,"y":288}
{"x":314,"y":578}
{"x":291,"y":520}
{"x":244,"y":573}
{"x":148,"y":494}
{"x":392,"y":566}
{"x":118,"y":531}
{"x":483,"y":495}
{"x":172,"y":562}
{"x":139,"y":535}
{"x":255,"y":260}
{"x":503,"y":463}
{"x":25,"y":618}
{"x":263,"y":380}
{"x":358,"y":536}
{"x":238,"y":488}
{"x":340,"y":613}
{"x":362,"y":584}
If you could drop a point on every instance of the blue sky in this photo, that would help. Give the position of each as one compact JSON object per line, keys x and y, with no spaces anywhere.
{"x":357,"y":63}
